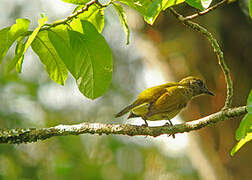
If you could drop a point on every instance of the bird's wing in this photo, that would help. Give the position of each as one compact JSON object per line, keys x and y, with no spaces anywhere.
{"x":152,"y":94}
{"x":173,"y":99}
{"x":146,"y":97}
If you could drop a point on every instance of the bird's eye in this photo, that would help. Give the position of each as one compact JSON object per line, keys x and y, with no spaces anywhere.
{"x":200,"y":83}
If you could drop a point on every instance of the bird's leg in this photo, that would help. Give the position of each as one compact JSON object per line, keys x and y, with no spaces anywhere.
{"x":146,"y":124}
{"x":170,"y":124}
{"x":145,"y":121}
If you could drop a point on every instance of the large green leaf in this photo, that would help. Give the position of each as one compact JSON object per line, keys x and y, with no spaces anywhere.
{"x":195,"y":3}
{"x":244,"y":132}
{"x":41,"y":22}
{"x":54,"y":65}
{"x":157,"y":6}
{"x":10,"y":34}
{"x":123,"y":20}
{"x":140,"y":6}
{"x":76,"y":1}
{"x":94,"y":14}
{"x":88,"y":58}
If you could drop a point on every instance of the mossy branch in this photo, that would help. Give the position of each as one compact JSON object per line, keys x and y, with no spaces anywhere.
{"x":25,"y":135}
{"x":214,"y":43}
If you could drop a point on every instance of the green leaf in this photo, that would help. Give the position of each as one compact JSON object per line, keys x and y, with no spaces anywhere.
{"x":169,"y":3}
{"x":123,"y":20}
{"x":4,"y":42}
{"x":195,"y":3}
{"x":249,"y":103}
{"x":140,"y":6}
{"x":77,"y":1}
{"x":94,"y":14}
{"x":244,"y":132}
{"x":244,"y":127}
{"x":243,"y":141}
{"x":54,"y":65}
{"x":153,"y":11}
{"x":41,"y":22}
{"x":157,"y":6}
{"x":10,"y":34}
{"x":250,"y":8}
{"x":89,"y":59}
{"x":18,"y":54}
{"x":206,"y":3}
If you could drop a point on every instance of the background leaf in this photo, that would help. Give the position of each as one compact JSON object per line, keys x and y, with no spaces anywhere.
{"x":54,"y":65}
{"x":89,"y":59}
{"x":42,"y":22}
{"x":10,"y":34}
{"x":123,"y":20}
{"x":76,"y":1}
{"x":94,"y":14}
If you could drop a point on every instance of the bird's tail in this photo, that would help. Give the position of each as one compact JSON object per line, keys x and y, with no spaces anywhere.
{"x":125,"y":110}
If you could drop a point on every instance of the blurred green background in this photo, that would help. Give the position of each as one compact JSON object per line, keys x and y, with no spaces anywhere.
{"x":164,"y":52}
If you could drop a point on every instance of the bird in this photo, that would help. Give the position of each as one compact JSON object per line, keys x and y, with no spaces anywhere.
{"x":164,"y":102}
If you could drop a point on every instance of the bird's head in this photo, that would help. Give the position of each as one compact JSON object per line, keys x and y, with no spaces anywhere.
{"x":197,"y":86}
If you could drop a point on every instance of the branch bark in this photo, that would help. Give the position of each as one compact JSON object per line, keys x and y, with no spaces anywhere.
{"x":201,"y":13}
{"x":25,"y":135}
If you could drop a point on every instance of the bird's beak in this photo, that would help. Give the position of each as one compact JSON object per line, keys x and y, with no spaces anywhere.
{"x":209,"y":92}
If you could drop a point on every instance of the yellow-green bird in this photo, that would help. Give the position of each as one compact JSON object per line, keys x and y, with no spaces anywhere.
{"x":165,"y":101}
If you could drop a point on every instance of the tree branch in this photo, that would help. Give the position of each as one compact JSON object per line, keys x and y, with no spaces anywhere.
{"x":25,"y":135}
{"x":217,"y":51}
{"x":74,"y":15}
{"x":190,"y":17}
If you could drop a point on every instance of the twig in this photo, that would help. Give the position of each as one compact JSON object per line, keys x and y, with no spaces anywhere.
{"x":217,"y":51}
{"x":69,"y":18}
{"x":25,"y":135}
{"x":190,"y":17}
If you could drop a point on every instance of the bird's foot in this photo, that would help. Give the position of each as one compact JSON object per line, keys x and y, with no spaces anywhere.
{"x":169,"y":123}
{"x":146,"y":124}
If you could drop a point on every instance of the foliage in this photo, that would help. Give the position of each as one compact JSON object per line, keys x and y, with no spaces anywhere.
{"x":244,"y":132}
{"x":55,"y":44}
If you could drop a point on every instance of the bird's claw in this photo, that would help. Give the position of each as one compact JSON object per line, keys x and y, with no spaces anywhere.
{"x":167,"y":124}
{"x":144,"y":125}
